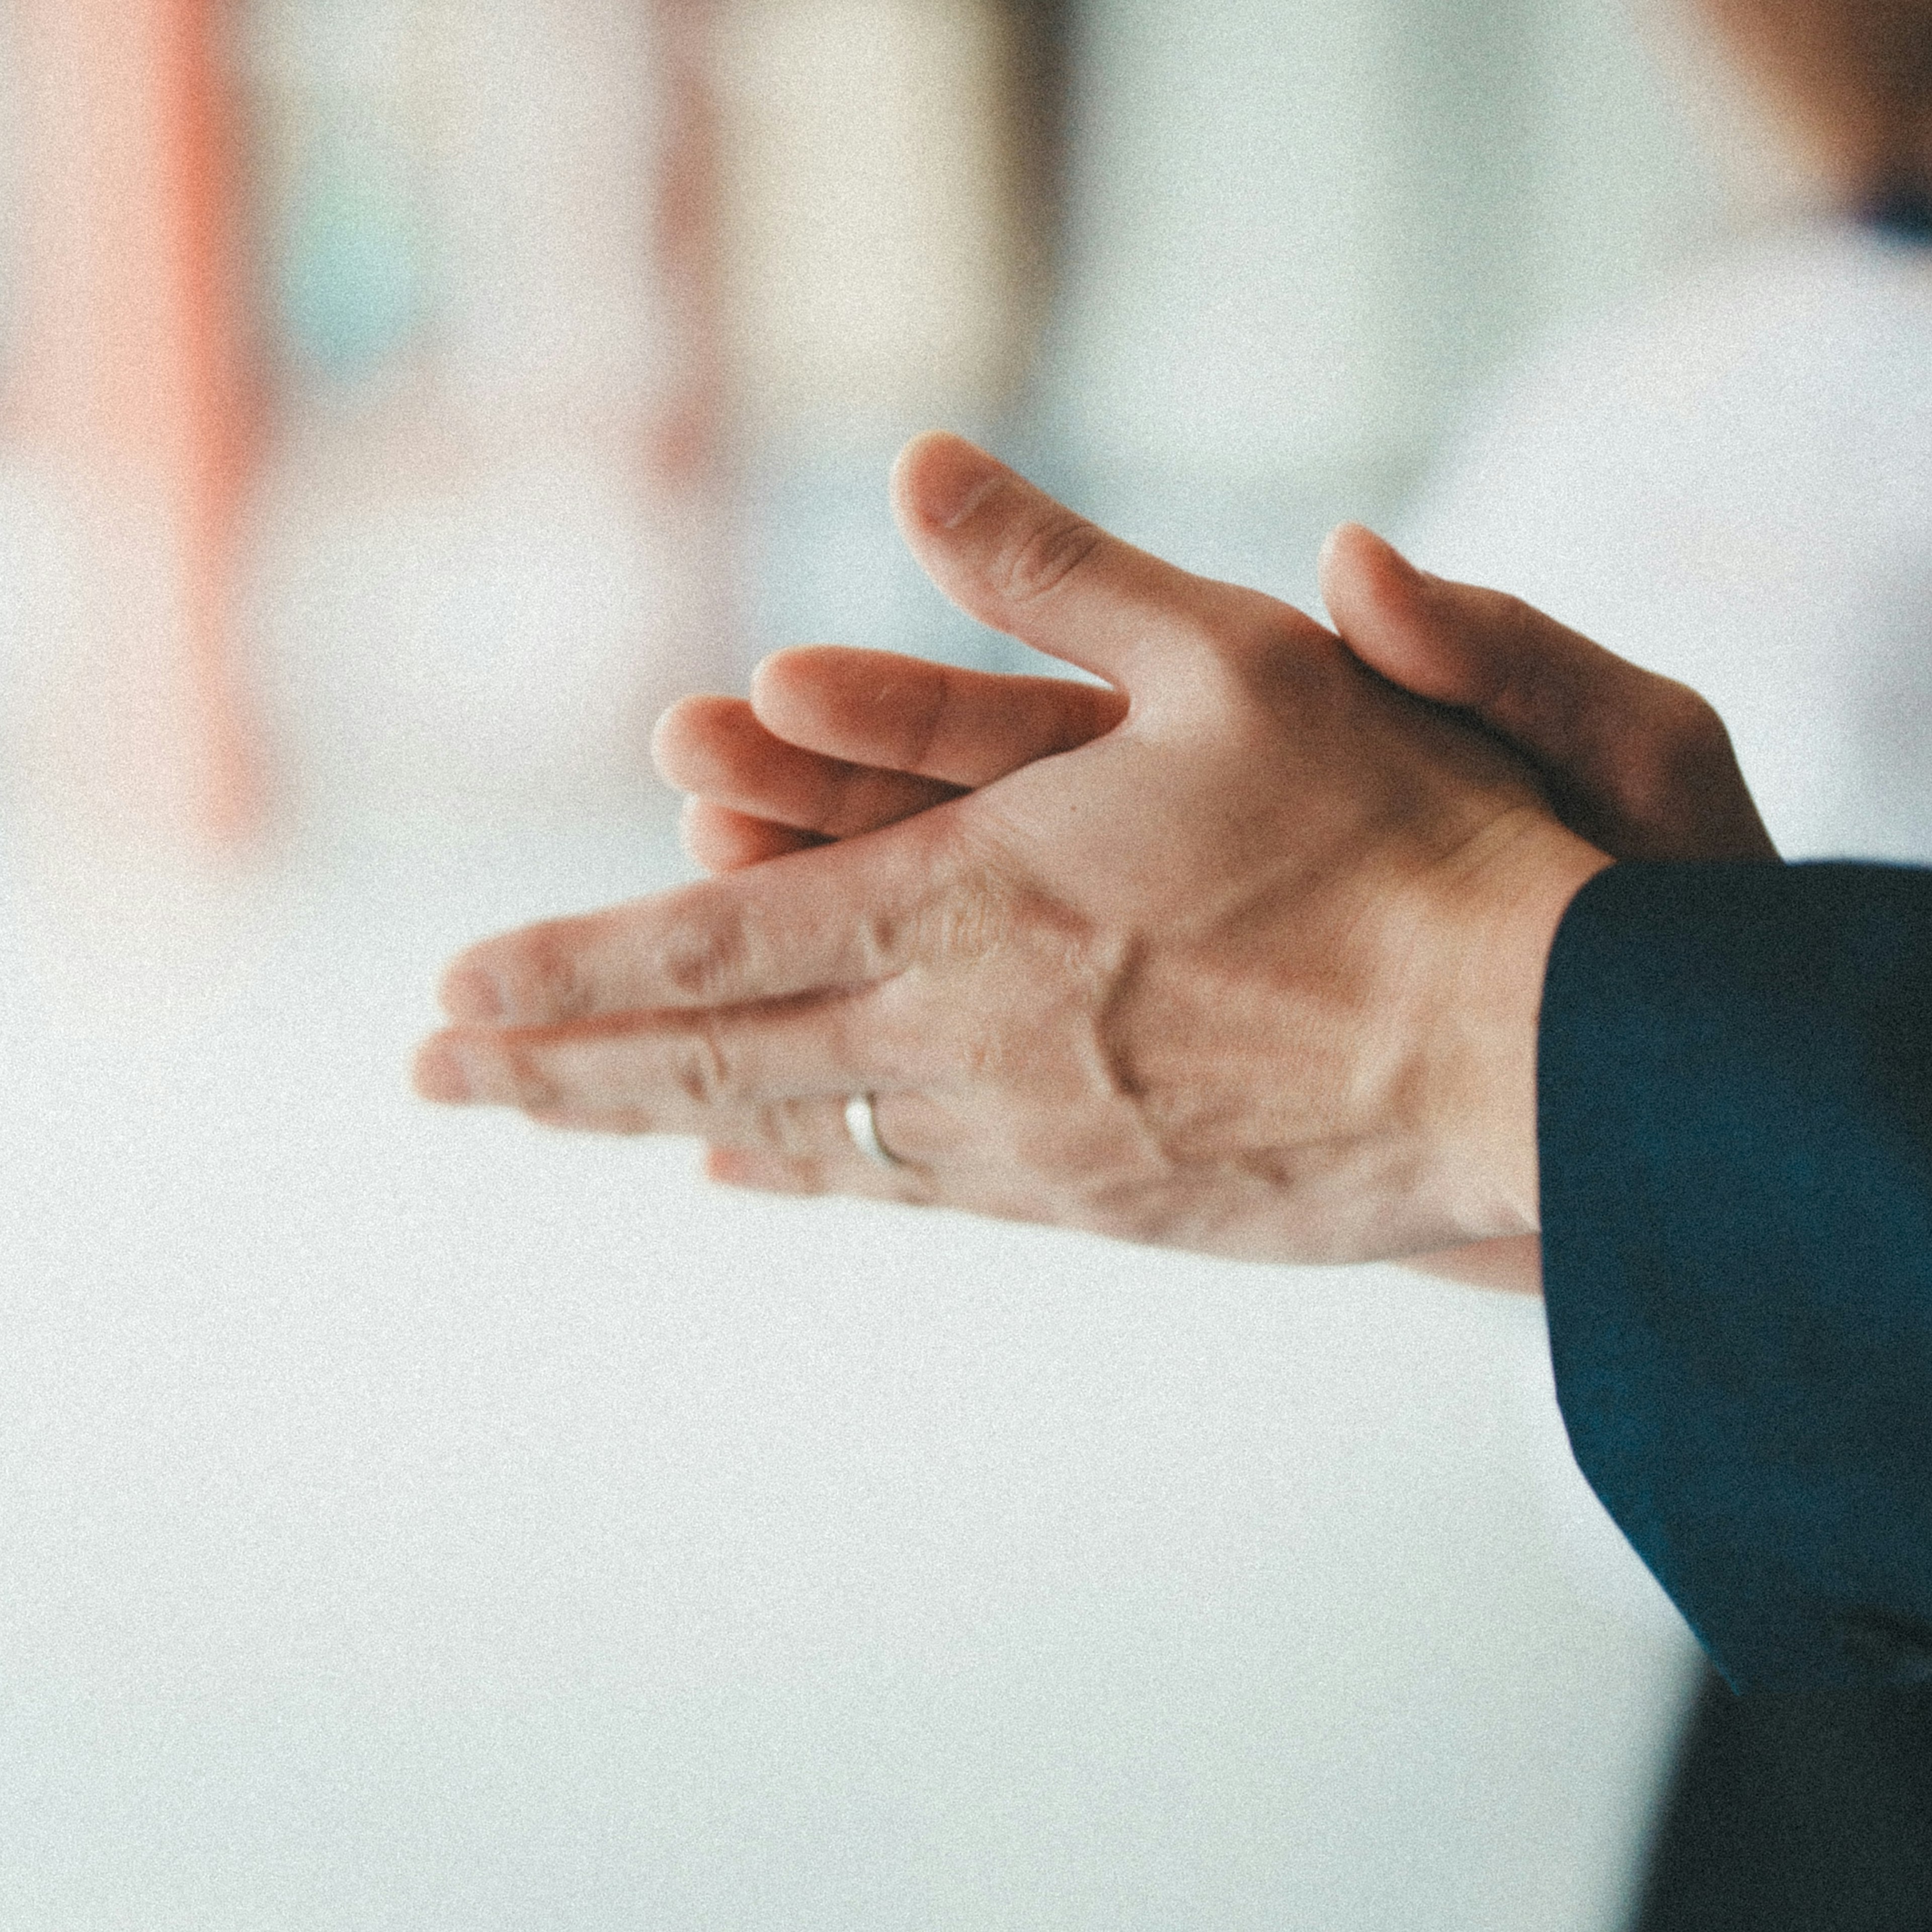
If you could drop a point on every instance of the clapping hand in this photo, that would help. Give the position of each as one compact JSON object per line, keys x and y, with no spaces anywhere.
{"x":1242,"y":952}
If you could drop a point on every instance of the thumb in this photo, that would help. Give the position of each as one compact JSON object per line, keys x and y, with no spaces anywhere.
{"x":1006,"y":553}
{"x":1638,"y":764}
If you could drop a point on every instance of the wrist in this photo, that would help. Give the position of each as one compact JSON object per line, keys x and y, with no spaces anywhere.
{"x":1486,"y":1122}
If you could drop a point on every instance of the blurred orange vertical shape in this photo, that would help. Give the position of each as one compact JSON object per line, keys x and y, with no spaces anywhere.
{"x":133,"y":376}
{"x":217,"y":434}
{"x":684,"y":439}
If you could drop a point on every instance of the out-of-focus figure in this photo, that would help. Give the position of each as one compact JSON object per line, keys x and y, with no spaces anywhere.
{"x":1731,"y":482}
{"x":1728,"y":481}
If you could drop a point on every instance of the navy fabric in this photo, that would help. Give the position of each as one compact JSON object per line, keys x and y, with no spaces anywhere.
{"x":1735,"y":1103}
{"x":1901,"y":213}
{"x":1806,"y":1814}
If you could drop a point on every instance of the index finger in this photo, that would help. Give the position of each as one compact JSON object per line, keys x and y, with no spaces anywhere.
{"x":840,"y":915}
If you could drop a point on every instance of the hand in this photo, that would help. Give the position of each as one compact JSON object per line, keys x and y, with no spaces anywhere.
{"x":837,"y":741}
{"x":1638,"y":764}
{"x":834,"y":742}
{"x":1253,"y":973}
{"x":1256,"y":971}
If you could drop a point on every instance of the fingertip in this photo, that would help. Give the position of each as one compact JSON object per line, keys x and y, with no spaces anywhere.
{"x":1386,"y":613}
{"x":776,"y":671}
{"x":687,"y":730}
{"x":724,"y":1166}
{"x":761,"y":1173}
{"x":794,"y":679}
{"x":667,"y":741}
{"x":1352,"y":549}
{"x":721,"y":840}
{"x":438,"y":1073}
{"x":1340,"y":543}
{"x":940,"y":479}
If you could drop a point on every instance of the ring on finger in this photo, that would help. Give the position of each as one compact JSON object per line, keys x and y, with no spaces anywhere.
{"x":862,"y":1123}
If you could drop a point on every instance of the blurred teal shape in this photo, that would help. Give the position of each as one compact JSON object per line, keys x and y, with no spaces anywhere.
{"x":350,"y":291}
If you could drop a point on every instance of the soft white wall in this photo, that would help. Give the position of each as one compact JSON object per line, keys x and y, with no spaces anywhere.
{"x":417,"y":1519}
{"x":1641,"y":154}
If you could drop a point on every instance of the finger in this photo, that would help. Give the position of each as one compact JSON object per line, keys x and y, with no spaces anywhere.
{"x":1006,"y":553}
{"x":850,"y":1174}
{"x":839,"y":916}
{"x":738,"y":1167}
{"x":923,"y":1137}
{"x":721,"y":840}
{"x":787,"y":1130}
{"x":966,"y":1190}
{"x":962,"y":728}
{"x":670,"y":1072}
{"x":716,"y":748}
{"x":1639,"y":764}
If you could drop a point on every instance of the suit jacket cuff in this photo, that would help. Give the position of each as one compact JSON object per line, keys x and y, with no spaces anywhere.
{"x":1735,"y":1124}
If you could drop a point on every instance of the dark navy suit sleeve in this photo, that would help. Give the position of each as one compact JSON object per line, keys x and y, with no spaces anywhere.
{"x":1735,"y":1119}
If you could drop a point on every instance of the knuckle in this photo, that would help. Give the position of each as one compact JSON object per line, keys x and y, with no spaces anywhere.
{"x":536,"y":1091}
{"x":784,"y":1129}
{"x":926,"y":729}
{"x":1264,"y":654}
{"x":542,"y":979}
{"x":784,"y":1175}
{"x":1519,"y":694}
{"x":1511,"y":679}
{"x":910,"y":1186}
{"x":1515,"y":614}
{"x":1517,"y":624}
{"x":702,"y":1071}
{"x":1046,"y":555}
{"x":1685,"y":739}
{"x":698,"y":961}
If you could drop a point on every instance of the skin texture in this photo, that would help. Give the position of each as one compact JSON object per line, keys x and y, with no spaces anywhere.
{"x":1639,"y":764}
{"x":1252,"y":966}
{"x":835,"y":742}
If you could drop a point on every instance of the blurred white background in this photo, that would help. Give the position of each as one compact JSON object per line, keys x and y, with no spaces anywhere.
{"x":410,"y":1520}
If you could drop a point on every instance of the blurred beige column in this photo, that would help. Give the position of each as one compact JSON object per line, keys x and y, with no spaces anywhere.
{"x":495,"y":545}
{"x":132,"y":391}
{"x":576,"y":336}
{"x":880,"y":268}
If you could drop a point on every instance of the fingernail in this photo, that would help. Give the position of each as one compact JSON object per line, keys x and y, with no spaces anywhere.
{"x":952,"y":479}
{"x":440,"y":1074}
{"x":469,"y":993}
